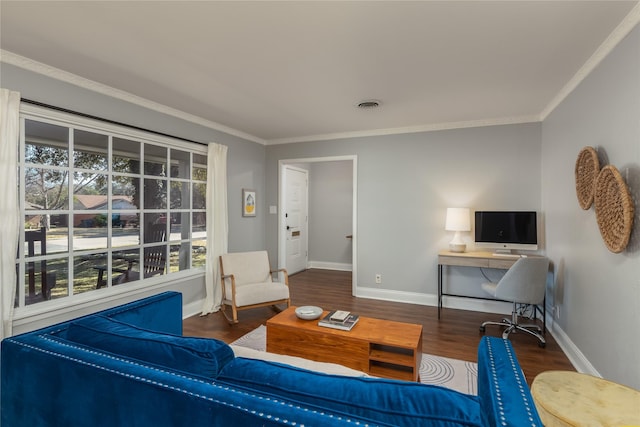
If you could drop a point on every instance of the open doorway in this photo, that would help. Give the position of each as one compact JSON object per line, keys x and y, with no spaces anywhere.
{"x":331,"y":238}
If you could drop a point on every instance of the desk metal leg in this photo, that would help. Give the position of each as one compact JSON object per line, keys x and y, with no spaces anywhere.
{"x":439,"y":289}
{"x":544,"y":315}
{"x":536,"y":308}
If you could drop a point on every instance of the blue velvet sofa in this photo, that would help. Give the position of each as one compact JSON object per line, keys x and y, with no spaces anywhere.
{"x":130,"y":366}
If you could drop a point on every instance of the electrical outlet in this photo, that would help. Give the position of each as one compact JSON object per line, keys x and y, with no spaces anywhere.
{"x":378,"y":278}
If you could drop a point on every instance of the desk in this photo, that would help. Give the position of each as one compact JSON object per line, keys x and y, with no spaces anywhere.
{"x":480,"y":260}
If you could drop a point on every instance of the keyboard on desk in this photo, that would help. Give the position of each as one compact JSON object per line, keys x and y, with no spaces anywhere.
{"x":509,"y":255}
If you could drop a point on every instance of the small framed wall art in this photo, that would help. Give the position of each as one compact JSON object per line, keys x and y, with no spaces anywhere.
{"x":248,"y":202}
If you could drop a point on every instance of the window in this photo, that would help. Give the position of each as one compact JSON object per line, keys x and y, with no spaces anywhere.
{"x":105,"y":206}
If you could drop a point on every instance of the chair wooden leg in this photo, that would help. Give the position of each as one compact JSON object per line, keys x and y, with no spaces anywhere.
{"x":232,"y":320}
{"x":278,"y":309}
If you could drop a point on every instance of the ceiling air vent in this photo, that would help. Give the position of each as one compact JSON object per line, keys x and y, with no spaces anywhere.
{"x":369,"y":104}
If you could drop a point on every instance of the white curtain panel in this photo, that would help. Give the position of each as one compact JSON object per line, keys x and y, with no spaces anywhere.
{"x":9,"y":134}
{"x":217,"y":224}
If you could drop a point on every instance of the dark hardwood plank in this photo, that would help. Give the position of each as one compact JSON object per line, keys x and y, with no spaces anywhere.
{"x":455,"y":335}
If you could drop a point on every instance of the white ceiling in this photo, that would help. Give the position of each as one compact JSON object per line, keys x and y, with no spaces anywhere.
{"x":294,"y":71}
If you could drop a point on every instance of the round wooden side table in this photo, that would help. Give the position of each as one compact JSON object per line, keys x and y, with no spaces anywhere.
{"x":571,"y":399}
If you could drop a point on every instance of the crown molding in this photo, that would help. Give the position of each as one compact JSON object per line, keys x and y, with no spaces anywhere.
{"x":620,"y":32}
{"x":409,"y":129}
{"x":67,"y":77}
{"x":61,"y":75}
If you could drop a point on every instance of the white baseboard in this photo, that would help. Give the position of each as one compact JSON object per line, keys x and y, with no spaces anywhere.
{"x":484,"y":306}
{"x":397,"y":296}
{"x":192,"y":308}
{"x":330,"y":265}
{"x":432,"y":300}
{"x":573,"y":353}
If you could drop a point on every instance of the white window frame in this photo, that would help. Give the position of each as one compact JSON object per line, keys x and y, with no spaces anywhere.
{"x":79,"y":122}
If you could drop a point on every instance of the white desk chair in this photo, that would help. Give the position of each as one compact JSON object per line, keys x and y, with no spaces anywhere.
{"x":523,"y":283}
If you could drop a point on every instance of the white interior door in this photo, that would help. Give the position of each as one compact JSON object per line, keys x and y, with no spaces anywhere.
{"x":282,"y":208}
{"x":296,"y":218}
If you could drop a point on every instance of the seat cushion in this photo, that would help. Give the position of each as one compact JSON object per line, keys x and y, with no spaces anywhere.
{"x":256,"y":293}
{"x":385,"y":401}
{"x":203,"y":357}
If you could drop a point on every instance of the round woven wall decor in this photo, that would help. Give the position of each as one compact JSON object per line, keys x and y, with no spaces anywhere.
{"x":587,"y":169}
{"x":614,"y":209}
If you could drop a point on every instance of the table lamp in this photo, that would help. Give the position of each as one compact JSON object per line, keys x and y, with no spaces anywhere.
{"x":458,"y":219}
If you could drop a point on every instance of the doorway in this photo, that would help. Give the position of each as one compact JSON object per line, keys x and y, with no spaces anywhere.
{"x":283,"y":219}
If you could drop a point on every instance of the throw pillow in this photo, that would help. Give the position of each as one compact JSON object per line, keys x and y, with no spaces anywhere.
{"x":197,"y":356}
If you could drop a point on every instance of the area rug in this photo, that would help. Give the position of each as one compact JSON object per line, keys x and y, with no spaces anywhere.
{"x":443,"y":371}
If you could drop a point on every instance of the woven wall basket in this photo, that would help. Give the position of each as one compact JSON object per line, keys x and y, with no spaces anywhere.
{"x":587,"y":169}
{"x":614,"y":209}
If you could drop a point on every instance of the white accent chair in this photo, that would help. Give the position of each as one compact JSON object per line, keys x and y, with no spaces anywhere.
{"x":247,"y":282}
{"x":524,"y":284}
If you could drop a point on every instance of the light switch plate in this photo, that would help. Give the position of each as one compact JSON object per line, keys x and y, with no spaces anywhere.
{"x":273,"y":209}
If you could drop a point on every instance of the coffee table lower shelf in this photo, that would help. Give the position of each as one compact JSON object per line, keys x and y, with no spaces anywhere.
{"x":382,"y":348}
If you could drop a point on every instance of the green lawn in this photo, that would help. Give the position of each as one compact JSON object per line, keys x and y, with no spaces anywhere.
{"x":86,"y":274}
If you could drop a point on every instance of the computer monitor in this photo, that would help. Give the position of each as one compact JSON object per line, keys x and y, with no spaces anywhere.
{"x":506,"y":230}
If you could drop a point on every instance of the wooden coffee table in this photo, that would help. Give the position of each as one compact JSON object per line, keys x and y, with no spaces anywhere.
{"x":382,"y":348}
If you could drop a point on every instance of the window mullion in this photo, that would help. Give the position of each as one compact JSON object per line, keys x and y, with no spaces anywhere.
{"x":142,"y":208}
{"x":21,"y":209}
{"x":190,"y":231}
{"x":109,"y":209}
{"x":70,"y":215}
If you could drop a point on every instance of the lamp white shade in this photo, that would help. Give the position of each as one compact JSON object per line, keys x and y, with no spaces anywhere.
{"x":458,"y":219}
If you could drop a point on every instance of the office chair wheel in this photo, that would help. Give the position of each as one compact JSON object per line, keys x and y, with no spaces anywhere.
{"x":482,"y":329}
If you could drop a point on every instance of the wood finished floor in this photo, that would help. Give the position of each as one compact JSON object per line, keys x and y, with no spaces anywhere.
{"x":455,"y":335}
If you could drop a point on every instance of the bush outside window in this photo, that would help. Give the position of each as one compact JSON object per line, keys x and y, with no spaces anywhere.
{"x":104,"y":206}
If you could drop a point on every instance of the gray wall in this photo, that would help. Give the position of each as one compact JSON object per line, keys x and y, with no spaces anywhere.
{"x":597,"y":292}
{"x":405,"y":184}
{"x":245,"y":169}
{"x":330,"y":213}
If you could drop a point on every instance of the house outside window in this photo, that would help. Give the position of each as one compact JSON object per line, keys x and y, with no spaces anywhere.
{"x":105,"y":207}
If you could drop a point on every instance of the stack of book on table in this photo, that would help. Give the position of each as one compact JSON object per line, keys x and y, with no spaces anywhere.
{"x":339,"y":319}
